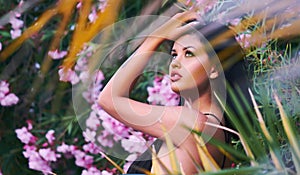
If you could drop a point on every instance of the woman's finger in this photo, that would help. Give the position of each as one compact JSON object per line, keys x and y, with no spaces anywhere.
{"x":186,"y":16}
{"x":190,"y":27}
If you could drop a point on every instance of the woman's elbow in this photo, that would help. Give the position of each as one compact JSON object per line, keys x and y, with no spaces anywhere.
{"x":104,"y":101}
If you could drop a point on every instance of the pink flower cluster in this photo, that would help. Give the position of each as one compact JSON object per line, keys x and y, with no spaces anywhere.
{"x":243,"y":37}
{"x":99,"y":6}
{"x":7,"y":98}
{"x":203,"y":6}
{"x":104,"y":130}
{"x":56,"y":55}
{"x":16,"y":25}
{"x":161,"y":92}
{"x":101,"y":128}
{"x":42,"y":157}
{"x":38,"y":159}
{"x":68,"y":76}
{"x":81,"y":66}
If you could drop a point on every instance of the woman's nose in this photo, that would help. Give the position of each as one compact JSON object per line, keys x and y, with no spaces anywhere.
{"x":175,"y":63}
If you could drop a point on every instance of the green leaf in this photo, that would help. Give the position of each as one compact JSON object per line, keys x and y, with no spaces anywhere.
{"x":237,"y":171}
{"x":229,"y":149}
{"x":5,"y":34}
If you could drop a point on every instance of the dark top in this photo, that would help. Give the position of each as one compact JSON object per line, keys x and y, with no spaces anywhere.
{"x":144,"y":162}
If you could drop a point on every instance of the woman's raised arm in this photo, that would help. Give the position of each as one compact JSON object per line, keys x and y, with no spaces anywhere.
{"x":114,"y":98}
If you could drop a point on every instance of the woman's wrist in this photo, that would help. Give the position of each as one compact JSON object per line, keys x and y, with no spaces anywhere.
{"x":152,"y":42}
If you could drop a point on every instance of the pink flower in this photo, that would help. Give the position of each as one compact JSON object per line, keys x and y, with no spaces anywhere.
{"x":134,"y":143}
{"x":102,"y":5}
{"x":89,"y":136}
{"x":91,"y":171}
{"x":93,"y":16}
{"x":235,"y":21}
{"x":84,"y":76}
{"x":104,"y":139}
{"x":4,"y":88}
{"x":91,"y":95}
{"x":243,"y":39}
{"x":127,"y":165}
{"x":132,"y":157}
{"x":83,"y":160}
{"x":79,"y":5}
{"x":48,"y":155}
{"x":91,"y":148}
{"x":161,"y":92}
{"x":9,"y":100}
{"x":36,"y":162}
{"x":93,"y":122}
{"x":29,"y":151}
{"x":50,"y":136}
{"x":29,"y":123}
{"x":0,"y":46}
{"x":6,"y":98}
{"x":98,"y":78}
{"x":63,"y":148}
{"x":16,"y":23}
{"x":57,"y":54}
{"x":25,"y":136}
{"x":68,"y":76}
{"x":15,"y":33}
{"x":81,"y":64}
{"x":104,"y":172}
{"x":115,"y":128}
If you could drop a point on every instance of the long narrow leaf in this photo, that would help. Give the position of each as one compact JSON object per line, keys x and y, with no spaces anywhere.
{"x":239,"y":171}
{"x":240,"y":128}
{"x":275,"y":157}
{"x":230,"y":150}
{"x":112,"y":162}
{"x":241,"y":120}
{"x":155,"y":163}
{"x":208,"y":162}
{"x":290,"y":132}
{"x":172,"y":155}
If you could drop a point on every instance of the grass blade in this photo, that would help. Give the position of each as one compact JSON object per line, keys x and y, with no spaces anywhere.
{"x":239,"y":171}
{"x":208,"y":162}
{"x":172,"y":156}
{"x":112,"y":162}
{"x":290,"y":132}
{"x":241,"y":130}
{"x":276,"y":160}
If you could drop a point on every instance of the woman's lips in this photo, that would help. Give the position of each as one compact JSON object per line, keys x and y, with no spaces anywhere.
{"x":175,"y":76}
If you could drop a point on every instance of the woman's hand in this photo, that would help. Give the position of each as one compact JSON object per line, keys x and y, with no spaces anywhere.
{"x":177,"y":26}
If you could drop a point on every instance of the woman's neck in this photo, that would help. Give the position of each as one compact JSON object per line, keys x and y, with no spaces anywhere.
{"x":204,"y":103}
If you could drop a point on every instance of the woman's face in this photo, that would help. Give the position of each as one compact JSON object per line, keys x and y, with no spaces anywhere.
{"x":190,"y":67}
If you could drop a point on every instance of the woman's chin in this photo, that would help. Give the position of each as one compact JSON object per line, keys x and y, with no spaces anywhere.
{"x":175,"y":89}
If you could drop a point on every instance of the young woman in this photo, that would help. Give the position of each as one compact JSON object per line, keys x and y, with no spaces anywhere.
{"x":195,"y":73}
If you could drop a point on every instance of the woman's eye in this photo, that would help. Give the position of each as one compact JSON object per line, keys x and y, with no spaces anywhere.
{"x":174,"y":55}
{"x":189,"y":54}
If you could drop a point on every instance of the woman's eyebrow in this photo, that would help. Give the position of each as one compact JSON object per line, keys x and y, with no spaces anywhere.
{"x":185,"y":48}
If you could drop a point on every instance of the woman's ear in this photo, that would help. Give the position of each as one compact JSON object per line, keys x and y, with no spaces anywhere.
{"x":214,"y":73}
